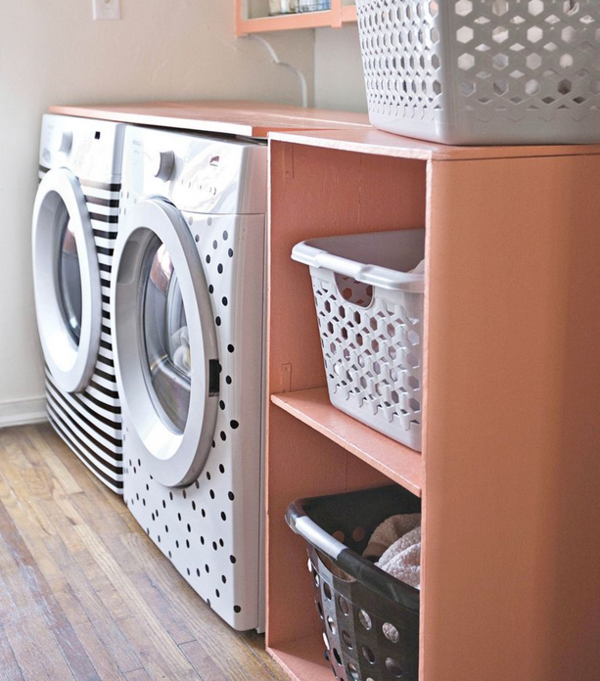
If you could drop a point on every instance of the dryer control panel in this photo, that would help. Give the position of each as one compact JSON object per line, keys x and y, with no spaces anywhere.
{"x":91,"y":149}
{"x":198,"y":173}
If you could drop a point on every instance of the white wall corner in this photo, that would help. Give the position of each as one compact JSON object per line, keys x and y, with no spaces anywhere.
{"x":338,"y":80}
{"x":22,"y":412}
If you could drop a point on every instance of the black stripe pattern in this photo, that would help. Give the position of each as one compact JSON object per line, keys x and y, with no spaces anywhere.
{"x":90,"y":422}
{"x":113,"y":479}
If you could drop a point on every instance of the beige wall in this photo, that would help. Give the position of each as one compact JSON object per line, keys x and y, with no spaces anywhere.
{"x":338,"y":70}
{"x":52,"y":52}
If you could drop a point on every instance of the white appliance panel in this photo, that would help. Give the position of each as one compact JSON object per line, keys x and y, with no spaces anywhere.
{"x":89,"y":420}
{"x":211,"y":530}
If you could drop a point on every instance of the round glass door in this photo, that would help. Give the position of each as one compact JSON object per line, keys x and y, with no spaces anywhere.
{"x":66,"y":278}
{"x":165,"y":342}
{"x":166,"y":338}
{"x":69,"y":273}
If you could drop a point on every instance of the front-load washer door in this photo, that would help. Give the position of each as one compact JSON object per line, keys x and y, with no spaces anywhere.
{"x":165,"y":342}
{"x":66,"y":280}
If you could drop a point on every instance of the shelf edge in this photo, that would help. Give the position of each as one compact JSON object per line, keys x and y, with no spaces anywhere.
{"x":412,"y":480}
{"x":286,"y":22}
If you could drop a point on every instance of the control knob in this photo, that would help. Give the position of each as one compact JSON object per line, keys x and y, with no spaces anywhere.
{"x":66,"y":142}
{"x":164,"y":164}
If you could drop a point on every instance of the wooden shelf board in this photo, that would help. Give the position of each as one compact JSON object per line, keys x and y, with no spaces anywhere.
{"x":286,"y":22}
{"x":379,"y":143}
{"x":398,"y":462}
{"x":303,"y":659}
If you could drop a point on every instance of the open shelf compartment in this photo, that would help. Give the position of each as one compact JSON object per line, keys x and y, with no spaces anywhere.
{"x":399,"y":463}
{"x":303,"y":659}
{"x":312,"y":447}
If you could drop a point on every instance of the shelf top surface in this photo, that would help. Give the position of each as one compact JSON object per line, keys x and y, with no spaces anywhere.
{"x":251,"y":119}
{"x":400,"y":463}
{"x":369,"y":140}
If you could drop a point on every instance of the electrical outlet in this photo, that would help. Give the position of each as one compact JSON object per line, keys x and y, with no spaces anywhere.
{"x":104,"y":10}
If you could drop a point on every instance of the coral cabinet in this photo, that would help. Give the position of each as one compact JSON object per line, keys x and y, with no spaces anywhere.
{"x":510,"y":468}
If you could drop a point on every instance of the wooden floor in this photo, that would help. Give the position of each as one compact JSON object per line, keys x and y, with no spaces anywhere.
{"x":84,"y":594}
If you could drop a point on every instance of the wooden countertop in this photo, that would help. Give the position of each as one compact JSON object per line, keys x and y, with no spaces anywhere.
{"x":251,"y":119}
{"x":340,"y":130}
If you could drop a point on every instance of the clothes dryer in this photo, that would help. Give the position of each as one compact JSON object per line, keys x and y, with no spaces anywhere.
{"x":74,"y":229}
{"x":188,"y":294}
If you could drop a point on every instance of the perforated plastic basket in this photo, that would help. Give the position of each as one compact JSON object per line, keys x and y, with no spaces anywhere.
{"x":370,"y":314}
{"x":370,"y":619}
{"x":483,"y":71}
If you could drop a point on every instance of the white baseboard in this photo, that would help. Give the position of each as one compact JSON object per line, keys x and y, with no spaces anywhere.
{"x":22,"y":412}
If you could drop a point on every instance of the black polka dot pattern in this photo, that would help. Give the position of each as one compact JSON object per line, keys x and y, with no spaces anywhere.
{"x":195,"y":526}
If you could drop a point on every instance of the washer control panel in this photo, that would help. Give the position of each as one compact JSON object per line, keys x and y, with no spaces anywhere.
{"x":198,"y":173}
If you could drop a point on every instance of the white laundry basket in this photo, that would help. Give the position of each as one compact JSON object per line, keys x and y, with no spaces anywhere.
{"x":483,"y":71}
{"x":370,"y":315}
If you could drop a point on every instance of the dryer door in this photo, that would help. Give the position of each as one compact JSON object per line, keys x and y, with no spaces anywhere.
{"x":66,"y":280}
{"x":165,"y":342}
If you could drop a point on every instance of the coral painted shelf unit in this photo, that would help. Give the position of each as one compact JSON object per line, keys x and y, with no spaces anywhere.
{"x":510,"y":468}
{"x":252,"y":16}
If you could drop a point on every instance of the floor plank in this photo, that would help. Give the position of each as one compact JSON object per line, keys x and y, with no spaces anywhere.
{"x":85,"y":595}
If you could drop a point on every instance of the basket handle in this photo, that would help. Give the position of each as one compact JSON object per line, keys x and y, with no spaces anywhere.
{"x":297,"y":519}
{"x":375,"y":275}
{"x":350,"y":561}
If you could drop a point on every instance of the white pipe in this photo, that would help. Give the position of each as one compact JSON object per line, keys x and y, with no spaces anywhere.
{"x":269,"y":48}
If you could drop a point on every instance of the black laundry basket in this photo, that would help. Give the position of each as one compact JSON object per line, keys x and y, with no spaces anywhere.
{"x":370,"y":619}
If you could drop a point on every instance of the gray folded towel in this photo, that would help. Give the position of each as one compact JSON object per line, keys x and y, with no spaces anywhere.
{"x":397,"y":545}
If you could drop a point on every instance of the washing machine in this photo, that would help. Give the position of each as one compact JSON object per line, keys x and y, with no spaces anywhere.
{"x":75,"y":221}
{"x":188,"y":293}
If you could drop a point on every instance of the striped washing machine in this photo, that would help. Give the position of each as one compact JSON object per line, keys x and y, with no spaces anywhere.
{"x":75,"y":223}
